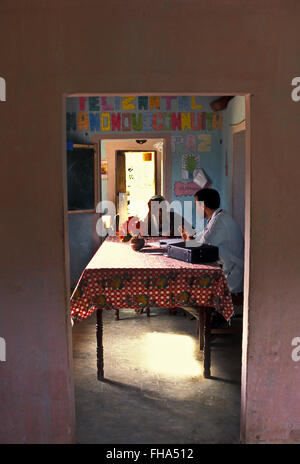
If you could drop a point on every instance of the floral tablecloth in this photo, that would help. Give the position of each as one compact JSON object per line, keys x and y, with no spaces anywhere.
{"x":118,"y":277}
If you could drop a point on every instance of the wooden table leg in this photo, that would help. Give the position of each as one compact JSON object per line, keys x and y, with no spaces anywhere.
{"x":207,"y":318}
{"x":99,"y":336}
{"x":201,"y":328}
{"x":148,"y":311}
{"x":116,"y":311}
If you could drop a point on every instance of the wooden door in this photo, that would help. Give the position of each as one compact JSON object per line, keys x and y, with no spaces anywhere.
{"x":124,"y":185}
{"x":120,"y":176}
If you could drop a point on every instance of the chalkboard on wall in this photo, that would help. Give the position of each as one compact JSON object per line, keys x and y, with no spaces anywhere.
{"x":81,"y":176}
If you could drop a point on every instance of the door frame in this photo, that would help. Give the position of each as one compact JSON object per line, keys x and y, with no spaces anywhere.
{"x":234,"y":130}
{"x":168,"y":195}
{"x":167,"y":154}
{"x":157,"y":173}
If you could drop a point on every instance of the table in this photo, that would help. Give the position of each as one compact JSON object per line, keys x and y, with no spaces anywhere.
{"x":119,"y":277}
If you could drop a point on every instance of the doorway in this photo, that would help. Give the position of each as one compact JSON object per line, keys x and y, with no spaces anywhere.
{"x":112,"y":179}
{"x":176,"y":140}
{"x":136,"y":175}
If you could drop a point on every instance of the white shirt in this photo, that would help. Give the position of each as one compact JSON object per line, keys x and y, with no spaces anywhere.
{"x":222,"y":231}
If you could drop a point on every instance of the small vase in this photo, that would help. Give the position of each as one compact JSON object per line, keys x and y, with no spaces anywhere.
{"x":137,"y":243}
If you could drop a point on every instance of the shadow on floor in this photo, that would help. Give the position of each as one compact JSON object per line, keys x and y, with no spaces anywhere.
{"x":146,"y":397}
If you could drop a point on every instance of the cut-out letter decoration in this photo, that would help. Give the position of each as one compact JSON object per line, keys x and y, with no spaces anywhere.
{"x":105,"y":121}
{"x":82,"y":101}
{"x":157,"y":121}
{"x":190,"y":142}
{"x":83,"y":122}
{"x":217,"y":121}
{"x":195,"y":106}
{"x":127,"y":103}
{"x":154,"y":101}
{"x":2,"y":89}
{"x":126,"y":121}
{"x":105,"y":106}
{"x":296,"y":92}
{"x":176,"y":140}
{"x":204,"y":142}
{"x":185,"y":121}
{"x":168,"y":102}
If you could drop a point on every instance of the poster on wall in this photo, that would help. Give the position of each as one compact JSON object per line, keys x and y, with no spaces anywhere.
{"x":104,"y":169}
{"x":200,"y":178}
{"x":190,"y":164}
{"x":200,"y":181}
{"x":185,"y":190}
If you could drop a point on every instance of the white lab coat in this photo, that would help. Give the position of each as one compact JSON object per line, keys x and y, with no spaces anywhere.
{"x":222,"y":231}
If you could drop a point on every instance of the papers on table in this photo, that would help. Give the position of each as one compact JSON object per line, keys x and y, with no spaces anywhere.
{"x":163,"y":244}
{"x":151,"y":250}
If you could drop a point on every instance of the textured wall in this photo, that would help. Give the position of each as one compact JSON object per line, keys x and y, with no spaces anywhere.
{"x":207,"y":46}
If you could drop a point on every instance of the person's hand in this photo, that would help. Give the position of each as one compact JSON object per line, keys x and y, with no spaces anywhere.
{"x":184,"y":235}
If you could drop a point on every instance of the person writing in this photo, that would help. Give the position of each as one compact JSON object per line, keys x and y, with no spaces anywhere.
{"x":160,"y":221}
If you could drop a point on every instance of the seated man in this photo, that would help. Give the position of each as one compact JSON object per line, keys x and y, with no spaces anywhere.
{"x":222,"y":231}
{"x":162,"y":222}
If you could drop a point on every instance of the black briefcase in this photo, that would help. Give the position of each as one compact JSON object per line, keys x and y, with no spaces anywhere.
{"x":197,"y":255}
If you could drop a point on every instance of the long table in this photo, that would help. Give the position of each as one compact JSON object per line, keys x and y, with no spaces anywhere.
{"x":118,"y":277}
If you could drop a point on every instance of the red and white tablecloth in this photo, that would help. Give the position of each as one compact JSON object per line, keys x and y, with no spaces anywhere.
{"x":119,"y":277}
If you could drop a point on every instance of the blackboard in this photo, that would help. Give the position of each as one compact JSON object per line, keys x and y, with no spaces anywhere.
{"x":81,"y":179}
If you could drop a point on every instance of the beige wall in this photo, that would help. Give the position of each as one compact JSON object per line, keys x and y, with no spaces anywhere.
{"x":199,"y":46}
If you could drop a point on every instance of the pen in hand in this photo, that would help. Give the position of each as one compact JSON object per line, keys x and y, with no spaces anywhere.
{"x":184,"y":235}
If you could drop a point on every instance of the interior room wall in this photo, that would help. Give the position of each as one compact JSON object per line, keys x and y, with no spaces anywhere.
{"x":175,"y":117}
{"x":83,"y":242}
{"x":187,"y":119}
{"x":234,"y":114}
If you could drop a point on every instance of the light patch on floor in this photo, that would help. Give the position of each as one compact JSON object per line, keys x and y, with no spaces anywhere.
{"x":151,"y":392}
{"x":170,"y":355}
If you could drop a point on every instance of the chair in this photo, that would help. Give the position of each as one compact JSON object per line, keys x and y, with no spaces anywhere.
{"x":237,"y":300}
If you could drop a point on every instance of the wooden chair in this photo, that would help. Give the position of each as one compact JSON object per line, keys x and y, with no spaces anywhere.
{"x":237,"y":300}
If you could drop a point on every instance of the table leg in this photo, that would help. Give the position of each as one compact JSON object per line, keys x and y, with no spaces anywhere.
{"x":207,"y":318}
{"x":116,"y":311}
{"x":148,"y":311}
{"x":99,"y":336}
{"x":200,"y":326}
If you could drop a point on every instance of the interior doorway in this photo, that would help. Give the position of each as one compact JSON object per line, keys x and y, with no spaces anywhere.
{"x":113,"y":151}
{"x":172,"y":143}
{"x":136,"y":175}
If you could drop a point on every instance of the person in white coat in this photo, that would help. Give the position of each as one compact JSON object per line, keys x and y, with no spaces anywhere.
{"x":222,"y":231}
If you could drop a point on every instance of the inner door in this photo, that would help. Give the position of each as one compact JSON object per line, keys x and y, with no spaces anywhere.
{"x":136,"y":177}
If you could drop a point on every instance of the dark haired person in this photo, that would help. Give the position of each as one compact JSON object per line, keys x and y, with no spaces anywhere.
{"x":160,"y":221}
{"x":222,"y":231}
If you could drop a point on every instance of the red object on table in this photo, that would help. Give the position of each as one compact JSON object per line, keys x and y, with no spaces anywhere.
{"x":125,"y":229}
{"x":118,"y":277}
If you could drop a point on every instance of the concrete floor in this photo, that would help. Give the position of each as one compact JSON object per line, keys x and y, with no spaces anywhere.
{"x":145,"y":399}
